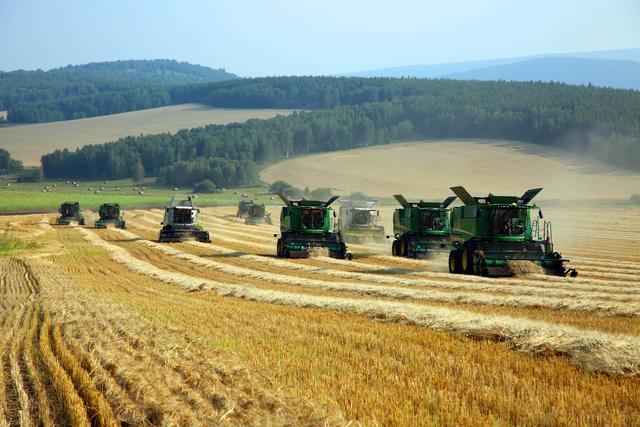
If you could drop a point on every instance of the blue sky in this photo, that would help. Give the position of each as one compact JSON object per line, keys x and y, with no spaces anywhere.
{"x":282,"y":37}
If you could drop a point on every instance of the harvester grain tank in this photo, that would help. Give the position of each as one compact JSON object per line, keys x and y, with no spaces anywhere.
{"x":495,"y":235}
{"x":421,"y":228}
{"x":182,"y":222}
{"x":308,"y":226}
{"x":358,"y":221}
{"x":257,"y":214}
{"x":110,"y":215}
{"x":70,"y":211}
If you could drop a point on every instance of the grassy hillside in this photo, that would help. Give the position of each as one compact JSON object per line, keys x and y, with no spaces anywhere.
{"x":29,"y":142}
{"x":427,"y":170}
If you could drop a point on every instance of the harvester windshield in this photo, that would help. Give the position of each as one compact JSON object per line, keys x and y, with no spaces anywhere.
{"x":312,"y":218}
{"x":509,"y":221}
{"x":433,"y":220}
{"x":362,"y":217}
{"x":185,"y":216}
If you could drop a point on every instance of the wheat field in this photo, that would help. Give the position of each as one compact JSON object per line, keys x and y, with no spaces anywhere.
{"x":109,"y":327}
{"x":426,"y":169}
{"x":29,"y":142}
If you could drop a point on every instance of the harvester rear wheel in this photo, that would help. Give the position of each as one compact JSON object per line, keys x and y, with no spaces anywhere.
{"x":394,"y":248}
{"x":454,"y":262}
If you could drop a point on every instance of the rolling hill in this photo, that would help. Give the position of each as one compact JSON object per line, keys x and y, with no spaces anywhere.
{"x":95,"y":89}
{"x":427,"y":169}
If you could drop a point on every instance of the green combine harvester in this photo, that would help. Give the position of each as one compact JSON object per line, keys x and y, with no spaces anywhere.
{"x":243,"y":208}
{"x":257,"y":214}
{"x":421,"y":228}
{"x":182,"y":222}
{"x":307,"y":227}
{"x":70,"y":211}
{"x":110,"y":215}
{"x":495,"y":235}
{"x":358,"y":221}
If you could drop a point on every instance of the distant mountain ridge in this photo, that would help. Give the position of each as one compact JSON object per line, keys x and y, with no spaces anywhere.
{"x":612,"y":68}
{"x":620,"y":74}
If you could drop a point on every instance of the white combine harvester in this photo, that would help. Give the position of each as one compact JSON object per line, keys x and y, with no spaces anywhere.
{"x":182,"y":222}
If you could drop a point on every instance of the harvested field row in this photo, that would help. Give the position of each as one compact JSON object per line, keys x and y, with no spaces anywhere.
{"x":592,"y":351}
{"x":117,"y":322}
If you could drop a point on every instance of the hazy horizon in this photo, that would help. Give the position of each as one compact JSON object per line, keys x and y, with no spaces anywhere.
{"x":285,"y":37}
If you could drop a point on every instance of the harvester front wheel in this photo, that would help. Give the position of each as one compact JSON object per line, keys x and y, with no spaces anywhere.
{"x":394,"y":248}
{"x":454,"y":262}
{"x":466,"y":261}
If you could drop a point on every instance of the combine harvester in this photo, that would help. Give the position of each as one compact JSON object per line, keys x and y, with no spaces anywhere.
{"x":307,"y":227}
{"x":182,"y":222}
{"x":501,"y":236}
{"x":358,"y":221}
{"x":257,"y":214}
{"x":110,"y":215}
{"x":70,"y":211}
{"x":421,"y":229}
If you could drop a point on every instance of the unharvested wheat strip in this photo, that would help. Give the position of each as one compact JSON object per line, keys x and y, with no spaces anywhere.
{"x":595,"y":303}
{"x":593,"y":351}
{"x":99,"y":410}
{"x":73,"y":405}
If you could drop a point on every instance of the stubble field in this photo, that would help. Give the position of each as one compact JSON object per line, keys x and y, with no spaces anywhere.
{"x":29,"y":142}
{"x":108,"y":327}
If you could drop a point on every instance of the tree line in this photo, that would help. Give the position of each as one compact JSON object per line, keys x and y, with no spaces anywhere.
{"x":75,"y":92}
{"x":604,"y":123}
{"x":8,"y":164}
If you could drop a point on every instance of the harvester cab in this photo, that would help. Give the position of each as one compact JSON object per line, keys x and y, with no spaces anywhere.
{"x":421,"y":228}
{"x":307,"y":227}
{"x":70,"y":211}
{"x":257,"y":214}
{"x":358,"y":221}
{"x":182,"y":222}
{"x":243,"y":208}
{"x":502,"y":236}
{"x":110,"y":215}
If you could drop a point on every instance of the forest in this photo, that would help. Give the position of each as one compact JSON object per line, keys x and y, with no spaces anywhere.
{"x":75,"y":92}
{"x":603,"y":123}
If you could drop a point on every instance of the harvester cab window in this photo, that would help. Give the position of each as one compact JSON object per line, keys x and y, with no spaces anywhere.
{"x":312,"y":218}
{"x":183,"y":216}
{"x":508,"y":221}
{"x":361,"y":217}
{"x":433,"y":220}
